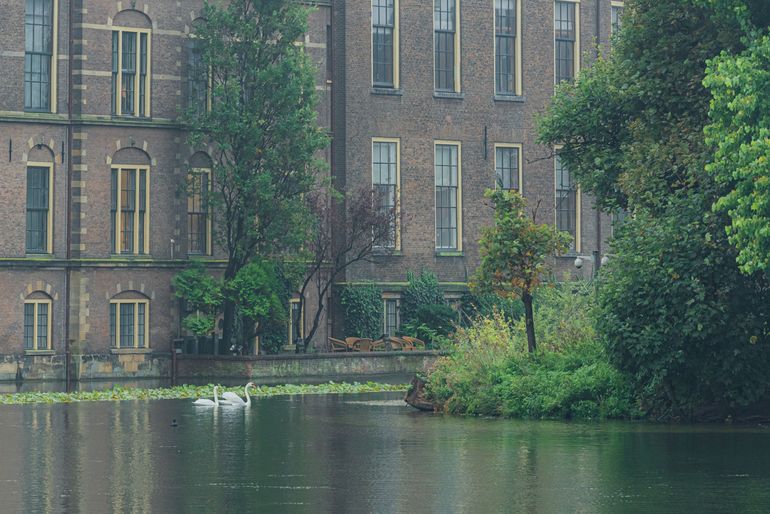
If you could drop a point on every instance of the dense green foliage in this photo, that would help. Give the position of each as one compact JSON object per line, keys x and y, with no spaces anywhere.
{"x":514,"y":252}
{"x":202,"y":295}
{"x":262,"y":133}
{"x":363,"y":309}
{"x":740,"y":134}
{"x":678,"y":318}
{"x":474,"y":305}
{"x":432,"y":324}
{"x":489,"y":372}
{"x":118,"y":393}
{"x":421,"y":290}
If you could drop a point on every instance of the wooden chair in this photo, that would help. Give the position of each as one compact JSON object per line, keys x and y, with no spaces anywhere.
{"x":396,"y":343}
{"x":363,"y":345}
{"x":338,"y":345}
{"x":415,"y":344}
{"x":379,"y":345}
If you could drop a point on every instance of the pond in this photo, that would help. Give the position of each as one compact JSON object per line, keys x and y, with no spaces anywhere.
{"x":365,"y":453}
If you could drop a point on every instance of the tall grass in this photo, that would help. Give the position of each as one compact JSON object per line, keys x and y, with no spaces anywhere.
{"x":490,"y":373}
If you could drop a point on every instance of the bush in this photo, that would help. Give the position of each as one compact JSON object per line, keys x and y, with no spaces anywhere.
{"x":363,"y":311}
{"x":433,"y":323}
{"x":421,"y":291}
{"x":490,"y":373}
{"x":473,"y":306}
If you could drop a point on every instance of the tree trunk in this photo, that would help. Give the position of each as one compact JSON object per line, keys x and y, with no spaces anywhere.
{"x":529,"y":321}
{"x":228,"y":323}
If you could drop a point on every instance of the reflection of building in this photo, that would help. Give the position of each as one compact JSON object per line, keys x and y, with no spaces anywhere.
{"x":432,"y":105}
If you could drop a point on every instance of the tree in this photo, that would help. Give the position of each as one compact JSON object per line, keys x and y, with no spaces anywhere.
{"x":421,"y":290}
{"x":739,"y":133}
{"x":369,"y":230}
{"x":263,"y":132}
{"x":678,"y":318}
{"x":514,"y":252}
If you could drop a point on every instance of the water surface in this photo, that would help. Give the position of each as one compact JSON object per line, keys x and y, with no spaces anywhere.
{"x":365,"y":453}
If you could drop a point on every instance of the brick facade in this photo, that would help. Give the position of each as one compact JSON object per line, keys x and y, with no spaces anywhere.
{"x":83,"y":141}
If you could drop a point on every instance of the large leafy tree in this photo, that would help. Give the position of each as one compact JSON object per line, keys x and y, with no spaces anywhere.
{"x":514,"y":254}
{"x":688,"y":329}
{"x":740,"y":134}
{"x":262,"y":128}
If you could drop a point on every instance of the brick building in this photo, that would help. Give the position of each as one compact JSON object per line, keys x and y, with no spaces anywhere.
{"x":427,"y":101}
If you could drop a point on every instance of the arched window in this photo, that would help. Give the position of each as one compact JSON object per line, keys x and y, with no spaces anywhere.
{"x":37,"y":322}
{"x":130,"y":202}
{"x":198,"y":207}
{"x":39,"y":226}
{"x":129,"y":321}
{"x":131,"y":64}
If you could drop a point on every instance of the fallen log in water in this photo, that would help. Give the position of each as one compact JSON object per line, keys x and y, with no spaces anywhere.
{"x":415,"y":396}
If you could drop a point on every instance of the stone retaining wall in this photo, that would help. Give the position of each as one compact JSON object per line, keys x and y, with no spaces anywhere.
{"x":264,"y":367}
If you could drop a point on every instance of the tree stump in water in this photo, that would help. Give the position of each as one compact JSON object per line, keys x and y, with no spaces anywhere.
{"x":415,"y":396}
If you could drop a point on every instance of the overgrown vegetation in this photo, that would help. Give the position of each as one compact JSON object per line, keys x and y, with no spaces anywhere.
{"x":193,"y":392}
{"x":363,"y":308}
{"x":490,"y":372}
{"x":687,"y":329}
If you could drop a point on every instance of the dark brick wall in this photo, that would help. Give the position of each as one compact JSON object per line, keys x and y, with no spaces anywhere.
{"x":418,"y":119}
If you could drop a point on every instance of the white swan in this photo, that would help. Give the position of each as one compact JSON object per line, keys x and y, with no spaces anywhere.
{"x":205,"y":402}
{"x":234,"y":399}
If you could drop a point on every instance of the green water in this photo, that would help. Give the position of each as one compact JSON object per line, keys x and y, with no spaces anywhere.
{"x":365,"y":453}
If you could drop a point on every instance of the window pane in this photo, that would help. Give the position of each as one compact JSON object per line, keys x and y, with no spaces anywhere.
{"x":140,"y":324}
{"x":37,"y":209}
{"x":446,"y":171}
{"x":38,"y":47}
{"x":128,"y":69}
{"x":29,"y":326}
{"x":505,"y":46}
{"x":565,"y":36}
{"x":383,"y":24}
{"x":507,"y":168}
{"x":126,"y":325}
{"x":42,"y":326}
{"x":444,"y":41}
{"x":566,"y":201}
{"x":197,"y":213}
{"x":384,"y":180}
{"x":113,"y":324}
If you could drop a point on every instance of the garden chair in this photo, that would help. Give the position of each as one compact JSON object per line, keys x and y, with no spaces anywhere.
{"x":396,"y":343}
{"x":363,"y":345}
{"x":415,"y":344}
{"x":379,"y":345}
{"x":338,"y":345}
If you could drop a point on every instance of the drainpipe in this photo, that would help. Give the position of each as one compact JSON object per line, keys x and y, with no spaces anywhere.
{"x":68,"y":220}
{"x":598,"y":252}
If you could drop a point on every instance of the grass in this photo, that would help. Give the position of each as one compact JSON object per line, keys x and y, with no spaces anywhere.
{"x":193,"y":392}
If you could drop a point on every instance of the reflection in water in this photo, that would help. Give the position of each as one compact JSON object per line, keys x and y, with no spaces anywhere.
{"x":364,"y":453}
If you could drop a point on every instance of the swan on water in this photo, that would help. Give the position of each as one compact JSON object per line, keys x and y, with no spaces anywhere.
{"x":205,"y":402}
{"x":237,"y":400}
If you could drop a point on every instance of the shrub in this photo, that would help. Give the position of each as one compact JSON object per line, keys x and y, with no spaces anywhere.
{"x":363,"y":311}
{"x":421,"y":290}
{"x":432,"y":323}
{"x":490,"y":373}
{"x":473,"y":306}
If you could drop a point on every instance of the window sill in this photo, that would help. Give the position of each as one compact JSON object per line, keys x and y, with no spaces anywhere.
{"x":41,"y":255}
{"x":509,"y":98}
{"x":451,"y":95}
{"x":450,"y":253}
{"x":386,"y":91}
{"x":129,"y":351}
{"x":39,"y":352}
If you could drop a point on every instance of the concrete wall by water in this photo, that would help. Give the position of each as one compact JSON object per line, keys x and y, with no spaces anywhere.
{"x":264,"y":367}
